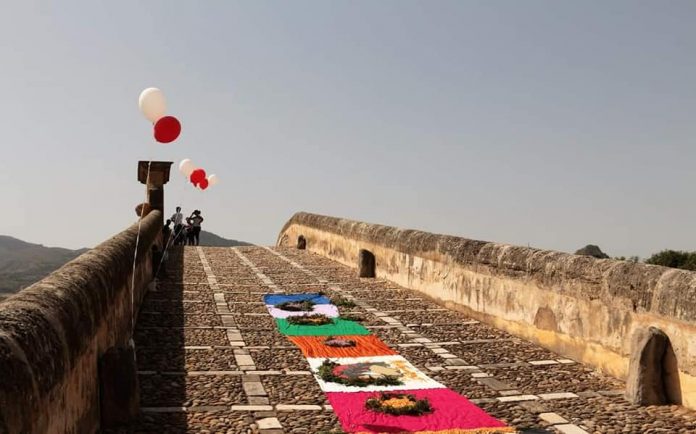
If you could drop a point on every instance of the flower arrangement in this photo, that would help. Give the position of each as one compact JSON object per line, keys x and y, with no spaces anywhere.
{"x":340,"y":343}
{"x":313,"y":319}
{"x":399,"y":404}
{"x":296,"y":306}
{"x":342,"y":302}
{"x":354,"y":375}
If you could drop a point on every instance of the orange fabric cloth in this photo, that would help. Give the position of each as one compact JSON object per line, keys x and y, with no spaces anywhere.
{"x":370,"y":345}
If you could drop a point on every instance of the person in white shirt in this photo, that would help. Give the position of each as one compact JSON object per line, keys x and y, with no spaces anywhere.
{"x":178,"y":220}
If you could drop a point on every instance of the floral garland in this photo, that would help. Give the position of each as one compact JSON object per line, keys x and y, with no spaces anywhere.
{"x":342,"y":302}
{"x":326,"y":373}
{"x":315,"y":319}
{"x":339,"y":343}
{"x":399,"y":404}
{"x":297,"y":306}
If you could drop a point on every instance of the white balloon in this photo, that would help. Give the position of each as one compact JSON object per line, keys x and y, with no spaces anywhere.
{"x":186,"y":167}
{"x":212,"y":180}
{"x":152,"y":104}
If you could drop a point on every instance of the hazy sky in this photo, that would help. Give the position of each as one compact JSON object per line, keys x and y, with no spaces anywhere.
{"x":550,"y":123}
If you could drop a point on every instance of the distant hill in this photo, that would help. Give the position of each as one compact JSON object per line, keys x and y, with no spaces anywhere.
{"x":211,"y":240}
{"x":22,"y":263}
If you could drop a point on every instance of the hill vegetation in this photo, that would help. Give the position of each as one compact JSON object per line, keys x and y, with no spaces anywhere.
{"x":667,"y":258}
{"x":22,"y":263}
{"x":674,"y":259}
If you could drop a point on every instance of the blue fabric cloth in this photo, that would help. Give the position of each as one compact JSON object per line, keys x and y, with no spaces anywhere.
{"x":275,"y":299}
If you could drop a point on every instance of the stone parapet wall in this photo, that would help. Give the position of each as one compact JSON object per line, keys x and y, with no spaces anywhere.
{"x":52,"y":334}
{"x":584,"y":308}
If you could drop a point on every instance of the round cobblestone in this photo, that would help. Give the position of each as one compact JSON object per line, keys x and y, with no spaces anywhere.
{"x":277,"y":359}
{"x":293,"y":389}
{"x":183,"y":391}
{"x":306,"y":422}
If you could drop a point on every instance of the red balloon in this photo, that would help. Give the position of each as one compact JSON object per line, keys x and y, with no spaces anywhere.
{"x":197,"y":176}
{"x":203,"y":184}
{"x":167,"y":129}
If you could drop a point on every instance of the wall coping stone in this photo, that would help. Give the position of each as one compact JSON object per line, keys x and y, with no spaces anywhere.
{"x":646,"y":288}
{"x":45,"y":328}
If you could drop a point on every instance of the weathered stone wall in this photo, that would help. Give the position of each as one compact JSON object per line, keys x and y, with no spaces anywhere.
{"x":578,"y":306}
{"x":52,"y":333}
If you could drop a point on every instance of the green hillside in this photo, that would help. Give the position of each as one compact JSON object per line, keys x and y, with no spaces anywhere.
{"x":22,"y":263}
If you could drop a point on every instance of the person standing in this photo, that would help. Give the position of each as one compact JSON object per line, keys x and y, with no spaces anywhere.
{"x":178,"y":220}
{"x":167,"y":234}
{"x":195,"y":221}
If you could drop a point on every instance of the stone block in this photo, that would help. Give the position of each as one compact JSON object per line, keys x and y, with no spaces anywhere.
{"x":454,"y":361}
{"x":251,"y":408}
{"x":298,"y":407}
{"x":197,"y":408}
{"x":552,"y":418}
{"x":234,"y":336}
{"x":269,"y":423}
{"x":258,"y":400}
{"x":254,"y":389}
{"x":516,"y":398}
{"x":562,"y":395}
{"x":243,"y":360}
{"x":570,"y":429}
{"x":251,"y":378}
{"x":543,"y":362}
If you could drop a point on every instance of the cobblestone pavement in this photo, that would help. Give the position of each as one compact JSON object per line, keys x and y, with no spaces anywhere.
{"x":211,"y":360}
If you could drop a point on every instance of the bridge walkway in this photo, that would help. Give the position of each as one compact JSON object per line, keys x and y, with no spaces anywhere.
{"x":211,"y":359}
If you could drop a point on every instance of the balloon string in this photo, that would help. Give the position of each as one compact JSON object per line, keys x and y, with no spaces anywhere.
{"x":164,"y":252}
{"x":169,"y":243}
{"x":137,"y":241}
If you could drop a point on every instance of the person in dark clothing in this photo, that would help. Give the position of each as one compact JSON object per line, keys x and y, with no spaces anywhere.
{"x":190,"y":237}
{"x":195,"y":221}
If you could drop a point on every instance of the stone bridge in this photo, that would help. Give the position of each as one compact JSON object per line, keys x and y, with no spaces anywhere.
{"x":543,"y":341}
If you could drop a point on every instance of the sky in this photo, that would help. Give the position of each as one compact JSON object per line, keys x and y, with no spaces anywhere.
{"x":543,"y":123}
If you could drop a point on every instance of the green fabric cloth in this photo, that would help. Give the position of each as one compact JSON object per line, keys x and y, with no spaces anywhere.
{"x":340,"y":327}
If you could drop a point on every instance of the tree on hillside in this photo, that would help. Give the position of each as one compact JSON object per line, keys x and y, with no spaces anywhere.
{"x":674,"y":259}
{"x":592,"y":250}
{"x":634,"y":259}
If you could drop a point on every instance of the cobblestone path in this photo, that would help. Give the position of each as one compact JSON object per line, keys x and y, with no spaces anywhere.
{"x":211,"y":359}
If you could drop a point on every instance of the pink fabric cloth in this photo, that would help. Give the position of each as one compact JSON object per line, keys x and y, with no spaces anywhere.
{"x":327,"y":309}
{"x":450,"y":411}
